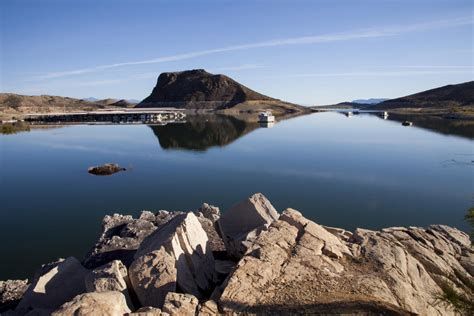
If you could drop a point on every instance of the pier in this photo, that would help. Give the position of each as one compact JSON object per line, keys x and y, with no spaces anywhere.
{"x":156,"y":116}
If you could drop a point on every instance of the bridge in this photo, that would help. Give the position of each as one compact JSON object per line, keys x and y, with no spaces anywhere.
{"x":156,"y":116}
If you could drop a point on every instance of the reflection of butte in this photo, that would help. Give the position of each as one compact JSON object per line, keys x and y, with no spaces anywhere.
{"x":463,"y":128}
{"x":201,"y":132}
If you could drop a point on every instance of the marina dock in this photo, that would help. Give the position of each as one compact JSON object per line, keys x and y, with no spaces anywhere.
{"x":158,"y":116}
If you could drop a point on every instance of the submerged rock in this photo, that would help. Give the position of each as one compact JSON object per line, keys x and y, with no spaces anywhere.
{"x":106,"y":169}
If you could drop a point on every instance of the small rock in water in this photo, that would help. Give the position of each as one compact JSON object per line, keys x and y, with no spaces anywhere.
{"x":106,"y":170}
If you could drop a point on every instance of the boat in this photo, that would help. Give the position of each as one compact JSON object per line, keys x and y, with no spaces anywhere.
{"x":349,"y":114}
{"x":385,"y":115}
{"x":266,"y":117}
{"x":407,"y":123}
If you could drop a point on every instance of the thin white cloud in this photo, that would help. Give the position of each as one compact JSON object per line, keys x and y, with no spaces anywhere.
{"x":378,"y":32}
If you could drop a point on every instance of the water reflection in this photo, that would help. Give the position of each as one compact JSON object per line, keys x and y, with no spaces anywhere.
{"x":201,"y":132}
{"x":267,"y":124}
{"x":464,"y":128}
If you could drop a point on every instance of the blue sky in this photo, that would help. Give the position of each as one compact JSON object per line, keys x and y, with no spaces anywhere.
{"x":308,"y":52}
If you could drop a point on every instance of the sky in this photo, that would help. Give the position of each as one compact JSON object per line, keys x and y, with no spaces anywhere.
{"x":307,"y":52}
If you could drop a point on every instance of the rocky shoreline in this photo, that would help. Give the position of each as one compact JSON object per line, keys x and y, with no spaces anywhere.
{"x":251,"y":260}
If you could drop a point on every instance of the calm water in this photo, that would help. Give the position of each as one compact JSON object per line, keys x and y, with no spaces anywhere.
{"x":346,"y":172}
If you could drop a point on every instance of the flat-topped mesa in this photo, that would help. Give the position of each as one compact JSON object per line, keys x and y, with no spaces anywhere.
{"x":199,"y":89}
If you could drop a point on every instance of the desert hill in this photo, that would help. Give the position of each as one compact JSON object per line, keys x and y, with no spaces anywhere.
{"x":199,"y":89}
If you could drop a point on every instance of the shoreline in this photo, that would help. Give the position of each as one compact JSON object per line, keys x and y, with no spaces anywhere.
{"x":251,"y":258}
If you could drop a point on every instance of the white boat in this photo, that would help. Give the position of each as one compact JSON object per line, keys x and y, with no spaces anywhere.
{"x":266,"y":117}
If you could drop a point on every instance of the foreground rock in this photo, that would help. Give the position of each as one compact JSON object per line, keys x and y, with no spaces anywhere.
{"x":298,"y":265}
{"x":272,"y":263}
{"x":53,"y":285}
{"x":177,"y":255}
{"x":240,"y":225}
{"x":95,"y":304}
{"x":112,"y":276}
{"x":180,"y":304}
{"x":122,"y":235}
{"x":105,"y":170}
{"x":11,"y":292}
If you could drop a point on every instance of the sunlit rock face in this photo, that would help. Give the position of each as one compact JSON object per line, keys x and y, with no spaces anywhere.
{"x":182,"y":252}
{"x":297,"y":265}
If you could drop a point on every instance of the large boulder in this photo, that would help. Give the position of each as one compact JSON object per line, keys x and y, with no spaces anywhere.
{"x":243,"y":222}
{"x":11,"y":292}
{"x":53,"y":285}
{"x":178,"y":304}
{"x":153,"y":275}
{"x":297,"y":265}
{"x":94,"y":304}
{"x":177,"y":255}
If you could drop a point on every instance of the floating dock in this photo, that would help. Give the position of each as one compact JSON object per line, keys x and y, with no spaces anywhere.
{"x":157,"y":116}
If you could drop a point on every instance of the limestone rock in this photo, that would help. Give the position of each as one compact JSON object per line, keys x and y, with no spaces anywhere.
{"x":210,"y":212}
{"x":325,"y":270}
{"x":95,"y":304}
{"x":122,"y":235}
{"x":11,"y":292}
{"x":240,"y":225}
{"x":208,"y":308}
{"x":177,"y":304}
{"x":148,"y":311}
{"x":180,"y":252}
{"x":54,"y":284}
{"x":112,"y":276}
{"x":153,"y":275}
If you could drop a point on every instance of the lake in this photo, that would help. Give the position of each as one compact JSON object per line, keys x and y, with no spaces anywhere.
{"x":361,"y":171}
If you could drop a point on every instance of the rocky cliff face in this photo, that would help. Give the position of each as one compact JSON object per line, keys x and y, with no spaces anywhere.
{"x":199,"y":89}
{"x":266,"y":263}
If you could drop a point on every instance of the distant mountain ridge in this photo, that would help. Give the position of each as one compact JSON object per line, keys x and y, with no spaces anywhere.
{"x":17,"y":105}
{"x":369,"y":101}
{"x":454,"y":95}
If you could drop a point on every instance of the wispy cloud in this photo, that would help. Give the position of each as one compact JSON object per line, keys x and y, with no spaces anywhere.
{"x":378,"y":32}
